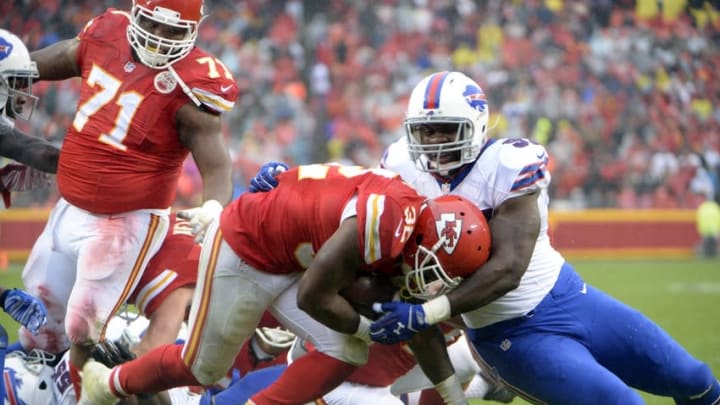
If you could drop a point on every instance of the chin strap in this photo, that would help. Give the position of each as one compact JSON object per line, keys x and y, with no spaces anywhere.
{"x":184,"y":87}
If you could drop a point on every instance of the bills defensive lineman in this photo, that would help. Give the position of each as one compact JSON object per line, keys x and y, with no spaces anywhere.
{"x":292,"y":250}
{"x":35,"y":156}
{"x":532,"y":319}
{"x":148,"y":98}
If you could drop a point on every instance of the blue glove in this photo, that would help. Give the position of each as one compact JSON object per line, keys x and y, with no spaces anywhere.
{"x":265,"y":179}
{"x":29,"y":311}
{"x":399,"y":323}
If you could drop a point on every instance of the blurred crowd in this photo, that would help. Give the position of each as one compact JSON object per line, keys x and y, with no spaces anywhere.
{"x":624,"y":94}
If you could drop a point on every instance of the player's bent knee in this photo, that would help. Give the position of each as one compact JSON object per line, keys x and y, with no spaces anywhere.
{"x":696,"y":385}
{"x":354,"y":351}
{"x":78,"y":330}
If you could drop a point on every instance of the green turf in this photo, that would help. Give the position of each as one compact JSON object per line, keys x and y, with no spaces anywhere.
{"x":682,"y":296}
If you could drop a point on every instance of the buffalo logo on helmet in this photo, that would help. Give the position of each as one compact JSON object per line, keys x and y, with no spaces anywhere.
{"x":12,"y":381}
{"x":5,"y":48}
{"x":448,"y":229}
{"x":475,"y":97}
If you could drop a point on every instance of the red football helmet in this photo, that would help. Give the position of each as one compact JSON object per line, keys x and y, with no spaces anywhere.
{"x":156,"y":51}
{"x":450,"y":241}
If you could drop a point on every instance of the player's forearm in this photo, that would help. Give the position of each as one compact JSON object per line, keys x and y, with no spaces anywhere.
{"x":30,"y":151}
{"x":57,"y":61}
{"x":217,"y":185}
{"x":430,"y":351}
{"x":334,"y":312}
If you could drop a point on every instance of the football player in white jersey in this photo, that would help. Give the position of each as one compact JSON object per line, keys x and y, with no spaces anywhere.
{"x":34,"y":156}
{"x":535,"y":323}
{"x":39,"y":378}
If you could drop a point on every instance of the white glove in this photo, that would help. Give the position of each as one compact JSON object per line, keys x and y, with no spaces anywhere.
{"x":201,"y":217}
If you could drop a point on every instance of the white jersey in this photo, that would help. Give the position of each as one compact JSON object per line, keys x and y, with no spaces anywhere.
{"x":506,"y":168}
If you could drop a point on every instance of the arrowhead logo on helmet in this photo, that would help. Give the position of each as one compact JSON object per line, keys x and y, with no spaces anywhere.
{"x":448,"y":229}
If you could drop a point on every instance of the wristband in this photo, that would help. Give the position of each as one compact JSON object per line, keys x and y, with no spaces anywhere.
{"x":451,"y":391}
{"x":437,"y":310}
{"x":363,"y":330}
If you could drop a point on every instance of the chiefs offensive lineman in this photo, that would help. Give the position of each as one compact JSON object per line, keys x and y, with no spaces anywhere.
{"x":148,"y":98}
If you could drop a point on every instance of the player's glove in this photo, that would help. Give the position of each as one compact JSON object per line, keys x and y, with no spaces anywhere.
{"x":26,"y":309}
{"x":265,"y":179}
{"x":401,"y":320}
{"x":17,"y":177}
{"x":201,"y":217}
{"x":111,"y":353}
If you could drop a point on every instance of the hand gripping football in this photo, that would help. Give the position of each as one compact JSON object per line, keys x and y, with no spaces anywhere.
{"x":367,"y":289}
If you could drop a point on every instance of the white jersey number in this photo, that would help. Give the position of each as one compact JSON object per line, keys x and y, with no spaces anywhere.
{"x":108,"y":87}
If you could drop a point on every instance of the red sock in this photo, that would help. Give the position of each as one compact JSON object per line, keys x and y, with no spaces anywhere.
{"x":159,"y":369}
{"x":305,"y":380}
{"x":75,"y":378}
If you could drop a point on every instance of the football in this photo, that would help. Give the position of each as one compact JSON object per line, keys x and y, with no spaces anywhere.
{"x":367,"y":289}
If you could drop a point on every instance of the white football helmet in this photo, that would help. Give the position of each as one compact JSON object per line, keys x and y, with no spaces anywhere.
{"x":17,"y":72}
{"x":454,"y":101}
{"x":28,"y":378}
{"x":126,"y":328}
{"x":153,"y":50}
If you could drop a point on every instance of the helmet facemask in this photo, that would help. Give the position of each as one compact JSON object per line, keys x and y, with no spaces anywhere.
{"x":427,"y":278}
{"x":153,"y":50}
{"x":440,"y":157}
{"x":16,"y":98}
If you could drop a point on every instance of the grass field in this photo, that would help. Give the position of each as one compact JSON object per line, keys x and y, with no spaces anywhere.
{"x":682,"y":296}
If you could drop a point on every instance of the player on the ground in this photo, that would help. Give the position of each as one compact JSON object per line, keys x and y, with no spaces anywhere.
{"x":34,"y":155}
{"x":391,"y":370}
{"x":292,"y":250}
{"x":544,"y":331}
{"x":148,"y":98}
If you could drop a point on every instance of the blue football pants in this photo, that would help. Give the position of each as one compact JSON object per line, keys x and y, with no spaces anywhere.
{"x":582,"y":346}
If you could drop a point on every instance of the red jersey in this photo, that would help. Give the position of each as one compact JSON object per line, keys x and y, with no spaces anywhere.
{"x":280,"y":231}
{"x":174,"y":266}
{"x":122,"y":151}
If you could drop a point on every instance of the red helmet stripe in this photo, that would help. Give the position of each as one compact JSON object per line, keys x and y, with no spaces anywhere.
{"x":432,"y":92}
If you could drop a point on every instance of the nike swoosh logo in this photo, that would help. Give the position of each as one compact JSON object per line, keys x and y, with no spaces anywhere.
{"x":224,"y":89}
{"x":583,"y":290}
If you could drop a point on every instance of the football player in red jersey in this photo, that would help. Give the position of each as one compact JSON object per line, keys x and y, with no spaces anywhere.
{"x":292,"y":250}
{"x":148,"y":98}
{"x":165,"y":290}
